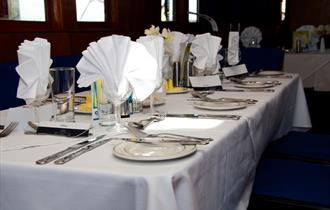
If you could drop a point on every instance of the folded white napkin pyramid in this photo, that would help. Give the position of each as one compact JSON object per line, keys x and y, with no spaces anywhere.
{"x":155,"y":46}
{"x":34,"y":62}
{"x":122,"y":65}
{"x":233,"y":48}
{"x":205,"y":48}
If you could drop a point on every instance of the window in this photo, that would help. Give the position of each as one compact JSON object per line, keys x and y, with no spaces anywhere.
{"x":167,"y":10}
{"x":23,"y":10}
{"x":90,"y":10}
{"x":193,"y":7}
{"x":283,"y":9}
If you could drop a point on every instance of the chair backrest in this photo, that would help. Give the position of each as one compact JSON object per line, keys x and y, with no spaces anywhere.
{"x":256,"y":59}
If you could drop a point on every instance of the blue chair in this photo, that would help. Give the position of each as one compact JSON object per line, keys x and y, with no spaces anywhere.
{"x":290,"y":184}
{"x":256,"y":59}
{"x":304,"y":146}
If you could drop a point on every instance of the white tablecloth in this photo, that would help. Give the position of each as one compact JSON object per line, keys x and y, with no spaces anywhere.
{"x":314,"y":69}
{"x":218,"y":176}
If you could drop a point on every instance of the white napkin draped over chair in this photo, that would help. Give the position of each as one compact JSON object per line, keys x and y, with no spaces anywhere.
{"x":34,"y":62}
{"x":122,"y":65}
{"x":205,"y":48}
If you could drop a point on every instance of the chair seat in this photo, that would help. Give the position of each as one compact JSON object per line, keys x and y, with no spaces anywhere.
{"x":308,"y":147}
{"x":304,"y":184}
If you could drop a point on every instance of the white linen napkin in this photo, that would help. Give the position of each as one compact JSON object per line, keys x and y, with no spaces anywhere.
{"x":155,"y":46}
{"x":122,"y":65}
{"x":179,"y":41}
{"x":233,"y":48}
{"x":205,"y":48}
{"x":34,"y":62}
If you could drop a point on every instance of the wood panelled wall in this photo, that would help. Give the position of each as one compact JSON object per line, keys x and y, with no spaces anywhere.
{"x":133,"y":16}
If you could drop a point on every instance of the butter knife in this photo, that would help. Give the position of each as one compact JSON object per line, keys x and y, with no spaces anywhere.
{"x":155,"y":140}
{"x":68,"y":150}
{"x":83,"y":150}
{"x":206,"y":116}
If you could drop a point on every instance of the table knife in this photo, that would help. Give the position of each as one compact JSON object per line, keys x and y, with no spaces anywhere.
{"x":68,"y":150}
{"x":206,"y":116}
{"x":155,"y":140}
{"x":248,"y":90}
{"x":83,"y":150}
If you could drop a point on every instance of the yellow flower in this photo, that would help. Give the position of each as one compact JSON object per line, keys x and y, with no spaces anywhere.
{"x":323,"y":30}
{"x":152,"y":30}
{"x":167,"y":35}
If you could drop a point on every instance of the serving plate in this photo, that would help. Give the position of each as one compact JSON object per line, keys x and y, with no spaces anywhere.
{"x":152,"y":152}
{"x":220,"y":106}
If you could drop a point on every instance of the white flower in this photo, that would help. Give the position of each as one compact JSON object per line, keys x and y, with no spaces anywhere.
{"x":167,"y":35}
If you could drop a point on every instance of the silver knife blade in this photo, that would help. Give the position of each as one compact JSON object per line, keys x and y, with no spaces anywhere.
{"x":248,"y":90}
{"x":206,"y":116}
{"x":68,"y":150}
{"x":155,"y":140}
{"x":83,"y":150}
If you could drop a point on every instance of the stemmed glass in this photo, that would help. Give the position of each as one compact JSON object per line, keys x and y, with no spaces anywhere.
{"x":116,"y":99}
{"x":40,"y":99}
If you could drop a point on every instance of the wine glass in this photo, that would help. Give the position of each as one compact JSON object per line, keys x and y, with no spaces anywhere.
{"x":116,"y":99}
{"x":40,"y":99}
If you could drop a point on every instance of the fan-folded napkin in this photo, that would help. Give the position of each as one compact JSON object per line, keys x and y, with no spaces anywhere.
{"x":233,"y":48}
{"x":178,"y":42}
{"x":34,"y":62}
{"x":155,"y":46}
{"x":122,"y":65}
{"x":205,"y":48}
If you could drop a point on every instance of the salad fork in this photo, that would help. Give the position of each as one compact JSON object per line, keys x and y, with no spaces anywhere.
{"x":8,"y":129}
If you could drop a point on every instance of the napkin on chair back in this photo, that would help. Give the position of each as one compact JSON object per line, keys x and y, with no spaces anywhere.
{"x":33,"y":68}
{"x":205,"y":48}
{"x":122,"y":65}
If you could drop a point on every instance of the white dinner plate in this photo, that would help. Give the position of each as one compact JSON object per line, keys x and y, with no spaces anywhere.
{"x":256,"y":84}
{"x":177,"y":90}
{"x":219,"y":105}
{"x":152,"y":152}
{"x":270,"y":73}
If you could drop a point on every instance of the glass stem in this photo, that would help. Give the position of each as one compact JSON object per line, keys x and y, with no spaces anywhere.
{"x":117,"y":112}
{"x":151,"y":101}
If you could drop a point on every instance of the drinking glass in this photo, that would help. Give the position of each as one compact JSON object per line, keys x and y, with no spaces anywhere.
{"x":63,"y":90}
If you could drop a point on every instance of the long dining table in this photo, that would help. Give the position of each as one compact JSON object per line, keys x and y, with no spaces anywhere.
{"x":217,"y":176}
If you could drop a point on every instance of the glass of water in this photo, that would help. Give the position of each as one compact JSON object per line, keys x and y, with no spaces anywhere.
{"x":63,"y":90}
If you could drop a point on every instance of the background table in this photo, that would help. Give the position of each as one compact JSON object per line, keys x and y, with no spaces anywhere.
{"x":314,"y":69}
{"x":218,"y":176}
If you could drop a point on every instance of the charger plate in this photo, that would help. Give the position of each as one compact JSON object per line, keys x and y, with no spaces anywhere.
{"x":152,"y":152}
{"x":256,"y":84}
{"x":220,"y":106}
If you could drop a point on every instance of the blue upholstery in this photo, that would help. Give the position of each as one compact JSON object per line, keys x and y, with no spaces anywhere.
{"x":301,"y":146}
{"x":262,"y":58}
{"x":299,"y":182}
{"x":9,"y":79}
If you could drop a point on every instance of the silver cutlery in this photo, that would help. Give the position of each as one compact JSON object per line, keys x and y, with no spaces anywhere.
{"x":171,"y":136}
{"x":83,"y":150}
{"x":7,"y":130}
{"x":206,"y":116}
{"x":142,"y":124}
{"x":68,"y":150}
{"x":156,"y":140}
{"x":203,"y":97}
{"x":248,"y":90}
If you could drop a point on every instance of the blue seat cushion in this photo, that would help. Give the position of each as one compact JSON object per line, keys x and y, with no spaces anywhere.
{"x":305,"y":146}
{"x":301,"y":182}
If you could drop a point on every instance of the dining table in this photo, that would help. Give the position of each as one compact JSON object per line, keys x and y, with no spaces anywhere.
{"x":313,"y":68}
{"x":218,"y":175}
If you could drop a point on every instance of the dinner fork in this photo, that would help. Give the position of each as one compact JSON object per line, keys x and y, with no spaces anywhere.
{"x":170,"y":136}
{"x":142,"y":124}
{"x":8,"y":129}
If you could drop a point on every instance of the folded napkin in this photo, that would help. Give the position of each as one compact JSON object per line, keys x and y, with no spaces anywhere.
{"x":122,"y":65}
{"x":155,"y":46}
{"x":33,"y":68}
{"x":178,"y":42}
{"x":205,"y":48}
{"x":233,"y":48}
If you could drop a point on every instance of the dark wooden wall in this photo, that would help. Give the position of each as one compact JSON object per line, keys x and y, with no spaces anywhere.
{"x":131,"y":17}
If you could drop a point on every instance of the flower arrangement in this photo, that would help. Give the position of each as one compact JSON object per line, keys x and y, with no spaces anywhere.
{"x":323,"y":30}
{"x":166,"y":33}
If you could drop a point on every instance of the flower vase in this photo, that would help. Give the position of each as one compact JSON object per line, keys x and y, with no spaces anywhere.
{"x":322,"y":45}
